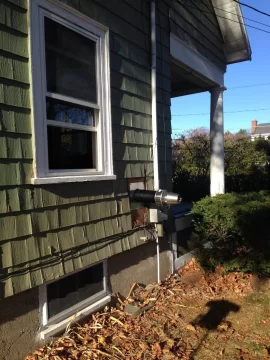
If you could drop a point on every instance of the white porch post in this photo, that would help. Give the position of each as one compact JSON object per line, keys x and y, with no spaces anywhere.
{"x":217,"y":181}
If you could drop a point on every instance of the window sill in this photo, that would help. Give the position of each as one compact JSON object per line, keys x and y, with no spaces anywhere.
{"x":70,"y":179}
{"x":57,"y":327}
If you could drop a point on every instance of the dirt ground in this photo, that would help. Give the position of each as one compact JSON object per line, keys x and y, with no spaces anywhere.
{"x":191,"y":315}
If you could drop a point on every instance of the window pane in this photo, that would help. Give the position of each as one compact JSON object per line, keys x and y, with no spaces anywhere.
{"x":69,"y":291}
{"x":70,"y":62}
{"x":70,"y":148}
{"x":89,"y":276}
{"x":66,"y":112}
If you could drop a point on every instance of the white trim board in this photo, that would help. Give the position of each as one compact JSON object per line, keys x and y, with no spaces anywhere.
{"x":183,"y":53}
{"x":61,"y":325}
{"x":262,"y":136}
{"x":103,"y":152}
{"x":71,"y":179}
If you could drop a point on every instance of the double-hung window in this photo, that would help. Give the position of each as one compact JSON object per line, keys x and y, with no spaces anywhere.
{"x":71,"y":95}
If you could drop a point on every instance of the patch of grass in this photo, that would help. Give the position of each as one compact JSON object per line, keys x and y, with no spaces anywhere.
{"x":257,"y":298}
{"x":256,"y":348}
{"x":151,"y":340}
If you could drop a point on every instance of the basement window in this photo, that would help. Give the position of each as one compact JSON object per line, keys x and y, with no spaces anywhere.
{"x":79,"y":293}
{"x":71,"y":95}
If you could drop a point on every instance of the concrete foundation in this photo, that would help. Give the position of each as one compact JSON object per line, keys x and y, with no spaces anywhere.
{"x":138,"y":265}
{"x":19,"y":314}
{"x":19,"y":325}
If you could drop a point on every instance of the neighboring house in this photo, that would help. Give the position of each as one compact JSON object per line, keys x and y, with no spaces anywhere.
{"x":85,"y":117}
{"x":260,"y":130}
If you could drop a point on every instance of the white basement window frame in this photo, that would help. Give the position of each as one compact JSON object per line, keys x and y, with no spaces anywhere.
{"x":100,"y":108}
{"x":58,"y":322}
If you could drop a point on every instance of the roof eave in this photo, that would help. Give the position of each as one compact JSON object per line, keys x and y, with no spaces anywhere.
{"x":245,"y":34}
{"x":232,"y":26}
{"x":237,"y":57}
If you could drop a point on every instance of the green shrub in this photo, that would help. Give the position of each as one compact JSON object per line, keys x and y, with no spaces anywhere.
{"x":238,"y":227}
{"x":249,"y":260}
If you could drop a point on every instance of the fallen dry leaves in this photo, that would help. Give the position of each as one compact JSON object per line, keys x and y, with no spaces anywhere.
{"x":161,"y":321}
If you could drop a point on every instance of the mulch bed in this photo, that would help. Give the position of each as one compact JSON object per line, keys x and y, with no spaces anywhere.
{"x":184,"y":317}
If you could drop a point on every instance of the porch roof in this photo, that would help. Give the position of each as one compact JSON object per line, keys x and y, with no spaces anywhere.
{"x":229,"y":15}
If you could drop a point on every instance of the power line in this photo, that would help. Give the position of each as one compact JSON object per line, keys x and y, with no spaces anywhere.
{"x":251,"y":7}
{"x":226,"y":18}
{"x":225,"y":112}
{"x":248,"y":86}
{"x":227,"y":129}
{"x":238,"y":2}
{"x":232,"y":13}
{"x":223,"y":17}
{"x":233,"y":128}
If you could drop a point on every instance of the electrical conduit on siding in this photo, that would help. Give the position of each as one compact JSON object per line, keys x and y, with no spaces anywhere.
{"x":154,"y":115}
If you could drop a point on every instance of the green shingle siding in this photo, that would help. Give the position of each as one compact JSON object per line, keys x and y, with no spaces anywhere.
{"x":13,"y":42}
{"x":20,"y":3}
{"x":129,"y":68}
{"x":15,"y":172}
{"x":13,"y":17}
{"x":127,"y":13}
{"x":15,"y":226}
{"x":199,"y":30}
{"x":132,"y":152}
{"x":202,"y":31}
{"x":15,"y":146}
{"x":50,"y":266}
{"x":15,"y":120}
{"x":43,"y":220}
{"x":13,"y":68}
{"x":129,"y":84}
{"x":129,"y":50}
{"x":129,"y":101}
{"x":163,"y":94}
{"x":117,"y":23}
{"x":55,"y":229}
{"x":14,"y":94}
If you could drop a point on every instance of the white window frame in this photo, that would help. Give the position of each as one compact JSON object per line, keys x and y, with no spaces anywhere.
{"x":59,"y":321}
{"x":85,"y":26}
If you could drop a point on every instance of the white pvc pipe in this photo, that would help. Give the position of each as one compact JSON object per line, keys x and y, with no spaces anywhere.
{"x":154,"y":115}
{"x":158,"y":257}
{"x":154,"y":94}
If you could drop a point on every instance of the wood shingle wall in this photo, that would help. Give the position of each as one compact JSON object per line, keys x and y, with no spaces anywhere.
{"x":47,"y":231}
{"x":195,"y":23}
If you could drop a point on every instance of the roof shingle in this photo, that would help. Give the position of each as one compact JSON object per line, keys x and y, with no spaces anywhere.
{"x":262,"y":129}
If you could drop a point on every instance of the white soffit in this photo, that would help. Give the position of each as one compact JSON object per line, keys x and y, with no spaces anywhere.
{"x":231,"y":22}
{"x":186,"y":55}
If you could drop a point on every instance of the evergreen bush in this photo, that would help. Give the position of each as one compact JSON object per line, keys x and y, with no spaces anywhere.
{"x":238,"y":227}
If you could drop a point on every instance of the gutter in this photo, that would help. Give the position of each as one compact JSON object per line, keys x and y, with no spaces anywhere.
{"x":154,"y":94}
{"x":154,"y":117}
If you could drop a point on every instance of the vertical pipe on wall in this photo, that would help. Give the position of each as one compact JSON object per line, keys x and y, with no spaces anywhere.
{"x":154,"y":115}
{"x":158,"y":256}
{"x":154,"y":94}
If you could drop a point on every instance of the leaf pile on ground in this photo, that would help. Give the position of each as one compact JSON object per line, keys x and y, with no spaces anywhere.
{"x":190,"y":315}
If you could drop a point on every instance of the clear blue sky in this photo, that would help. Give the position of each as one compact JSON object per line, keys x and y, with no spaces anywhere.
{"x":246,"y":73}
